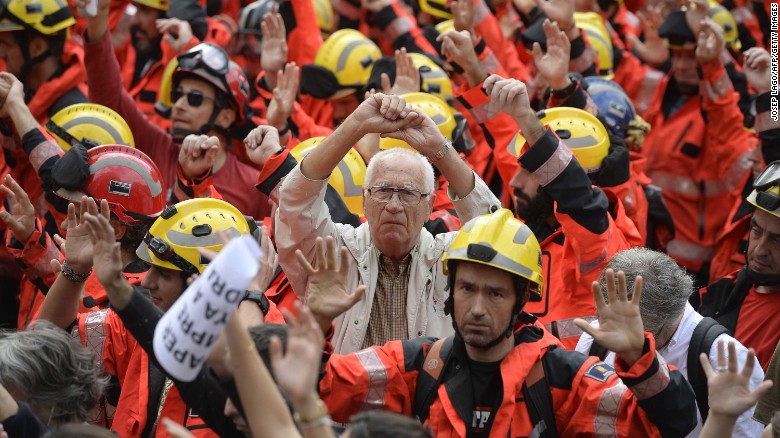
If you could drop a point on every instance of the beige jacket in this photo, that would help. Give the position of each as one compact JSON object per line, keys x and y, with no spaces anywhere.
{"x":303,"y":215}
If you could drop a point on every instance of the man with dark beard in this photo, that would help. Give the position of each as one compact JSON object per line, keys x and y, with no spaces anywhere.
{"x":698,"y":151}
{"x":578,"y":226}
{"x":143,"y":61}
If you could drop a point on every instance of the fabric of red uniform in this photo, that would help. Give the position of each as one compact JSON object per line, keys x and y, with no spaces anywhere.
{"x":234,"y":180}
{"x":758,"y":326}
{"x":585,"y":403}
{"x":701,"y":165}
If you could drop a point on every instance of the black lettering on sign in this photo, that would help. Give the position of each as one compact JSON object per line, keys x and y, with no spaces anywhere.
{"x":217,"y":285}
{"x":169,"y":339}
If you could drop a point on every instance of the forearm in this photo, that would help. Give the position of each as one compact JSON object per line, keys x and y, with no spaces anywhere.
{"x":264,"y":406}
{"x":321,"y":161}
{"x":61,"y":305}
{"x":457,"y":172}
{"x":23,"y":119}
{"x":97,"y":27}
{"x":718,"y":426}
{"x":8,"y":406}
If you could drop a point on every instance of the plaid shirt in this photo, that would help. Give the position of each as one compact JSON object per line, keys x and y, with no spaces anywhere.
{"x":388,"y":321}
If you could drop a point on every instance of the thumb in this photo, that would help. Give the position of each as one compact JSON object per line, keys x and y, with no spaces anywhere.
{"x":386,"y":83}
{"x":585,"y":327}
{"x":275,"y":350}
{"x":536,"y":51}
{"x":356,"y":296}
{"x":55,"y":265}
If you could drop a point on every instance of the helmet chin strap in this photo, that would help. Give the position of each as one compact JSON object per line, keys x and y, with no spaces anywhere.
{"x":762,"y":279}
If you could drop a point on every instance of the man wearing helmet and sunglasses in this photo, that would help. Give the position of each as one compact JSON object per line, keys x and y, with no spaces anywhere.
{"x":502,"y":373}
{"x":209,"y":95}
{"x":747,"y":301}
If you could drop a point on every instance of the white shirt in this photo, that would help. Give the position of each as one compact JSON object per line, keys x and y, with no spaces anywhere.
{"x":675,"y":352}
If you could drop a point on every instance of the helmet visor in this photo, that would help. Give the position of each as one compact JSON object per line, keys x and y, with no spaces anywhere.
{"x":206,"y":56}
{"x":769,"y":177}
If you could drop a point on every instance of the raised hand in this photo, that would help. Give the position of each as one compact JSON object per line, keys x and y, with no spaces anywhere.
{"x":422,"y":134}
{"x":653,"y":49}
{"x":463,"y":15}
{"x":620,"y":323}
{"x":756,"y":64}
{"x":511,"y":96}
{"x":382,"y":113}
{"x":326,"y":292}
{"x":268,"y":263}
{"x":11,"y":92}
{"x":77,"y":247}
{"x":729,"y":389}
{"x":559,"y":11}
{"x":261,"y":143}
{"x":710,"y":42}
{"x":407,"y":78}
{"x":553,"y":64}
{"x":274,"y":45}
{"x":284,"y":94}
{"x":177,"y":32}
{"x":458,"y":47}
{"x":296,"y":371}
{"x":97,"y":26}
{"x":107,"y":258}
{"x":21,"y":218}
{"x":197,"y":154}
{"x":696,"y":11}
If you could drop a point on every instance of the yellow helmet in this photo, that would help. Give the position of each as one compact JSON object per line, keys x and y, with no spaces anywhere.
{"x":581,"y":132}
{"x":433,"y":79}
{"x":723,"y":18}
{"x":348,"y":56}
{"x":48,"y":17}
{"x":161,"y":5}
{"x":445,"y":26}
{"x":173,"y":240}
{"x":436,"y":8}
{"x":90,"y":125}
{"x":599,"y":40}
{"x":164,"y":104}
{"x":347,"y":178}
{"x":502,"y":242}
{"x":450,"y":122}
{"x":766,"y":190}
{"x":325,"y":17}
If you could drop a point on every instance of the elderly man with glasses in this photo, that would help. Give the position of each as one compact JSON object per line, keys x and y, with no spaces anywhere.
{"x":397,"y":260}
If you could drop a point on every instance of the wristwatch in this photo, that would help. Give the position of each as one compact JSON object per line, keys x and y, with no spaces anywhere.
{"x":258,"y":297}
{"x":441,"y":152}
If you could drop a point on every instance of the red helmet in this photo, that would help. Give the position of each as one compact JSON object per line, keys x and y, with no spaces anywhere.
{"x":211,"y":63}
{"x":126,"y":178}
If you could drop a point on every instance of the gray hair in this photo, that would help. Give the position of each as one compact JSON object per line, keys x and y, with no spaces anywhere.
{"x":390,"y":154}
{"x":53,"y":371}
{"x":666,"y":289}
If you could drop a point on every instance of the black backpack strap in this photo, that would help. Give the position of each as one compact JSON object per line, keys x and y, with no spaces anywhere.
{"x":430,"y":377}
{"x":536,"y":392}
{"x":597,"y":350}
{"x":703,"y":337}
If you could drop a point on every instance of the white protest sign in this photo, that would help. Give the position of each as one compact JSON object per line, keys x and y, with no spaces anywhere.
{"x":185,"y":334}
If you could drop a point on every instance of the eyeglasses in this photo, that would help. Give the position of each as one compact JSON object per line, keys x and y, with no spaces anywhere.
{"x":194,"y":97}
{"x":163,"y":251}
{"x":384,"y":194}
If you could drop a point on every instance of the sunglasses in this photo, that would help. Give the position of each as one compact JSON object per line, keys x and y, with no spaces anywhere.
{"x":194,"y":97}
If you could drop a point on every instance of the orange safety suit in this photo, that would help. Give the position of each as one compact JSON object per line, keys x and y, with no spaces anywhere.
{"x":700,"y":156}
{"x":588,"y":397}
{"x":588,"y":233}
{"x":731,"y":247}
{"x":122,"y":347}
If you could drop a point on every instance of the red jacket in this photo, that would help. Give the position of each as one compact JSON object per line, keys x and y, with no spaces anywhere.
{"x":589,"y":398}
{"x":233,"y":181}
{"x":701,"y":165}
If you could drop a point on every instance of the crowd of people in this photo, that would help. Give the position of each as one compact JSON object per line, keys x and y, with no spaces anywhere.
{"x":525,"y":218}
